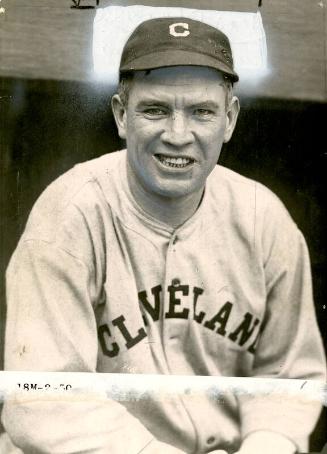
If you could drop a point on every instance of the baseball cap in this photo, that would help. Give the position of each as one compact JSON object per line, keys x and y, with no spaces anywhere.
{"x":177,"y":41}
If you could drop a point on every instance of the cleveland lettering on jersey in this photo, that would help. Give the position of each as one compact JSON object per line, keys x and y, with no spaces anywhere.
{"x":120,"y":328}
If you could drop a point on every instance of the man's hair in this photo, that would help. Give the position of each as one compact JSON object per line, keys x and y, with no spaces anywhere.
{"x":126,"y":81}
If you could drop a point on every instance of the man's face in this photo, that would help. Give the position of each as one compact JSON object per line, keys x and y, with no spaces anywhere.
{"x":175,"y":123}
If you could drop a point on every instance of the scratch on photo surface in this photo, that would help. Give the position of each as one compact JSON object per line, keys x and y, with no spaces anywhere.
{"x":17,"y":183}
{"x":144,"y":447}
{"x":255,"y":213}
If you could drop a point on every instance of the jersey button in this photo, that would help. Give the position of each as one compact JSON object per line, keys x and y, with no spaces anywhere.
{"x":211,"y":440}
{"x":176,"y":282}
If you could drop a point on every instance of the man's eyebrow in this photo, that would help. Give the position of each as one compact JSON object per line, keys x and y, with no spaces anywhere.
{"x":155,"y":101}
{"x":152,"y":102}
{"x":209,"y":103}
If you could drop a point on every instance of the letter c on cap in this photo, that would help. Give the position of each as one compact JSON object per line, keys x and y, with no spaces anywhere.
{"x":183,"y":25}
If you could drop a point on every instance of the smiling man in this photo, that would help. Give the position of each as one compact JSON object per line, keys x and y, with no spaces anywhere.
{"x":156,"y":260}
{"x":175,"y":123}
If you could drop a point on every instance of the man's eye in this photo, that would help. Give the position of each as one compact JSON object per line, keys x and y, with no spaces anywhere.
{"x":154,"y":112}
{"x":203,"y":112}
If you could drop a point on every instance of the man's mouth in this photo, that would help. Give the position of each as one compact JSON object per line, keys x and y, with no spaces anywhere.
{"x":173,"y":162}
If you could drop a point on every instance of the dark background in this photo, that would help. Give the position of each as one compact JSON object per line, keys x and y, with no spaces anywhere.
{"x":48,"y":126}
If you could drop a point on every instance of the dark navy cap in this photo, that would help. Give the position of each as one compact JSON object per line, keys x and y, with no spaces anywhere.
{"x":177,"y":41}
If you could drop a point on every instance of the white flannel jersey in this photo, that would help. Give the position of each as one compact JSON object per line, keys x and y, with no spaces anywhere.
{"x":97,"y":284}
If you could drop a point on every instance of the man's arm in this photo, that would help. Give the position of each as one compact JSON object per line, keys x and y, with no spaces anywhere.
{"x":290,"y":344}
{"x":51,"y":327}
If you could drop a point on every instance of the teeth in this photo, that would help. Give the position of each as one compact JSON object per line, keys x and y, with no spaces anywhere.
{"x":174,"y":162}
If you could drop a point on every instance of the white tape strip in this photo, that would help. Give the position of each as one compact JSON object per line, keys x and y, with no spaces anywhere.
{"x":123,"y":386}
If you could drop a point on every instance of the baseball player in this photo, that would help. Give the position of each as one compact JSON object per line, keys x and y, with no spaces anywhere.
{"x":156,"y":260}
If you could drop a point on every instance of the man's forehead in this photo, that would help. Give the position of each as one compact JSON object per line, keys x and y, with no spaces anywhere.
{"x":180,"y":75}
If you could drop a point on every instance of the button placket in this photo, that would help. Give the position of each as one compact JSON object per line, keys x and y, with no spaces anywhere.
{"x":176,"y":282}
{"x":169,"y":272}
{"x":171,"y":336}
{"x":171,"y":280}
{"x":175,"y":240}
{"x":211,"y":440}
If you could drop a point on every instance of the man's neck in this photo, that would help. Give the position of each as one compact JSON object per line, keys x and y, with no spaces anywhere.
{"x":168,"y":210}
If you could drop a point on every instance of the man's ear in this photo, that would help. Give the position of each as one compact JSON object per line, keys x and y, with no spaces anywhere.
{"x":119,"y":111}
{"x":231,"y":118}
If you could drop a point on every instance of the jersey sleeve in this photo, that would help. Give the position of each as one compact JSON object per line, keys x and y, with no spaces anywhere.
{"x":51,"y":327}
{"x":290,"y":345}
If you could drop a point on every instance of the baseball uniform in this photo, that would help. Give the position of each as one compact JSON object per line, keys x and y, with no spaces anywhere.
{"x":97,"y":284}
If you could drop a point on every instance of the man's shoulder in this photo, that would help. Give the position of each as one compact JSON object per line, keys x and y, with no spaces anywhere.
{"x":85,"y":172}
{"x":104,"y":164}
{"x":241,"y":186}
{"x":252,"y":212}
{"x":246,"y":196}
{"x":79,"y":187}
{"x":68,"y":185}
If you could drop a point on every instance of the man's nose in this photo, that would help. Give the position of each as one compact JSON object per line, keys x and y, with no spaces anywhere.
{"x":177,"y":131}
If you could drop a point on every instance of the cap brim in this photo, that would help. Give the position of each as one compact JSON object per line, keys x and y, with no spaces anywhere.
{"x":168,"y":58}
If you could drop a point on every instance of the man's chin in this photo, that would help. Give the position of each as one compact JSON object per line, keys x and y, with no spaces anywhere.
{"x":175,"y":191}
